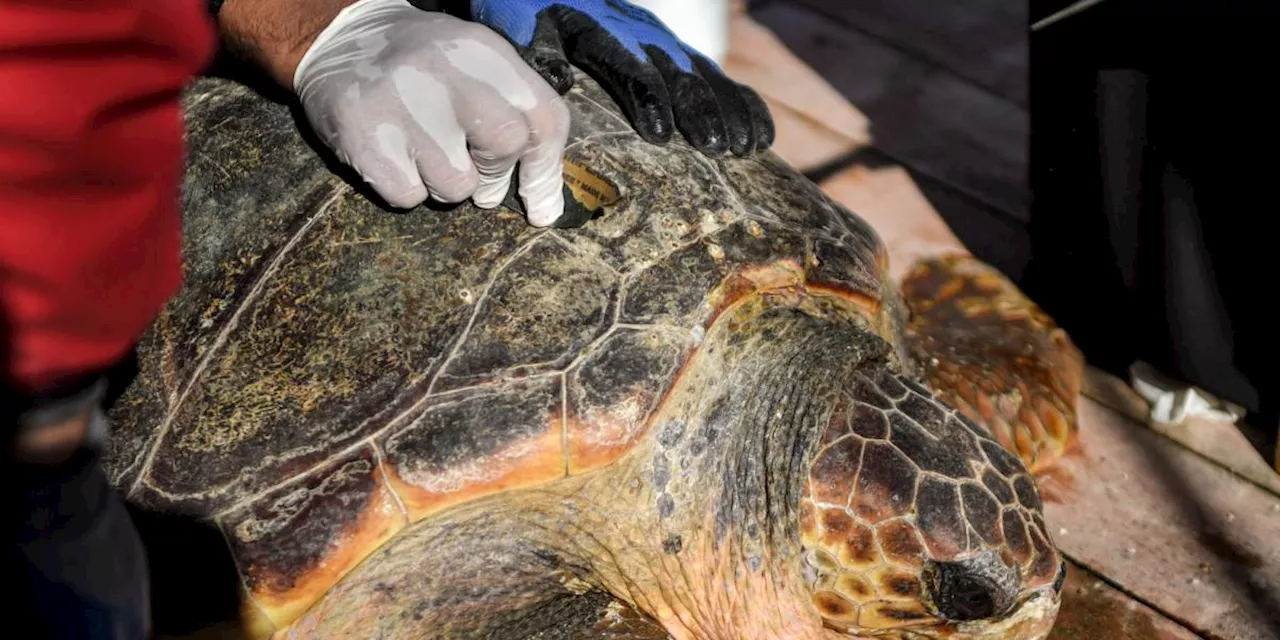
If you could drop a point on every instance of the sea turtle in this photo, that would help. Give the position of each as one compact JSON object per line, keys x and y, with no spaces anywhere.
{"x":707,"y":403}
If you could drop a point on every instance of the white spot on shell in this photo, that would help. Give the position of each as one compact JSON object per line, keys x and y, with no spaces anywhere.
{"x":629,"y":411}
{"x":708,"y":223}
{"x":716,"y":251}
{"x":698,"y":334}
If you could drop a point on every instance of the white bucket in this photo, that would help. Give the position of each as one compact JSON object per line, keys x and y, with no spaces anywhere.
{"x":702,"y":24}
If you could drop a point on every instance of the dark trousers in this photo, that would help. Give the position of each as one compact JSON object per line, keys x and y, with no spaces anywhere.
{"x":73,"y":564}
{"x":1153,"y":145}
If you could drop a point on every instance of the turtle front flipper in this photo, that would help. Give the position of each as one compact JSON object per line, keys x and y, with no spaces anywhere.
{"x":989,"y":351}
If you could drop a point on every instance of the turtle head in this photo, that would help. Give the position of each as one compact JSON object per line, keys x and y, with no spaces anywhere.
{"x":915,"y":524}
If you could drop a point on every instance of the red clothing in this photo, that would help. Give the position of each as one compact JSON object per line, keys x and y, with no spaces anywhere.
{"x":91,"y":159}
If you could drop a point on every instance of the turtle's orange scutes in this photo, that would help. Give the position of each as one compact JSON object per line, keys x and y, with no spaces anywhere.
{"x":935,"y":526}
{"x":450,"y":424}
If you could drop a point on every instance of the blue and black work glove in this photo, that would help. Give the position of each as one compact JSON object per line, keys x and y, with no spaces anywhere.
{"x":661,"y":83}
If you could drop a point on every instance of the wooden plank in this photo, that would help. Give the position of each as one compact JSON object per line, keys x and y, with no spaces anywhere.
{"x":807,"y":140}
{"x":804,"y":142}
{"x":991,"y":235}
{"x":926,"y":117}
{"x":1094,"y":610}
{"x":983,"y":41}
{"x":904,"y":212}
{"x":815,"y":123}
{"x":1222,"y":442}
{"x":890,"y":202}
{"x":1195,"y":541}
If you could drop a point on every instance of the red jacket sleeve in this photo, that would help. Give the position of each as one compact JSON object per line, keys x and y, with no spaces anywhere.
{"x":91,"y":159}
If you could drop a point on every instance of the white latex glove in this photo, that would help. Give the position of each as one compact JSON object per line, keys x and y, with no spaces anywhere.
{"x":424,"y":104}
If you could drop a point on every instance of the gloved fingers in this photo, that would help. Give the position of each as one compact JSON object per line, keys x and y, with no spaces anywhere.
{"x":661,"y":84}
{"x":406,"y":171}
{"x":448,"y":184}
{"x":545,"y":54}
{"x":388,"y":167}
{"x":696,"y":106}
{"x":765,"y":130}
{"x":541,"y":185}
{"x":494,"y":152}
{"x":496,"y":134}
{"x":510,"y":112}
{"x":438,"y":146}
{"x":738,"y":114}
{"x":541,"y":165}
{"x":406,"y":175}
{"x":636,"y":84}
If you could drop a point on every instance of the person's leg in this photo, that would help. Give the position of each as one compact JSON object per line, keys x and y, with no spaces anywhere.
{"x":71,"y":552}
{"x":1217,"y":130}
{"x":1147,"y":233}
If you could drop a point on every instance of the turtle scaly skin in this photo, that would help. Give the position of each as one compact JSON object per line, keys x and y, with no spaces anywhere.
{"x":702,"y":404}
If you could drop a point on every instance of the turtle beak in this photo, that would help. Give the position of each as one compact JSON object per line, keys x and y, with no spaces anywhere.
{"x":974,"y":608}
{"x":1031,"y":619}
{"x":1061,"y":579}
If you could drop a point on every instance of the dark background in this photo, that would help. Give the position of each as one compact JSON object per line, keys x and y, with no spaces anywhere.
{"x":945,"y":86}
{"x":1116,"y":164}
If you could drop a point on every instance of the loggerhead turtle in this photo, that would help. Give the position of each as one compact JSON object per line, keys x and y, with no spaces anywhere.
{"x":451,"y":424}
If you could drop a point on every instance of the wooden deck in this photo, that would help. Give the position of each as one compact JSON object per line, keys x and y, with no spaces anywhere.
{"x":1172,"y":532}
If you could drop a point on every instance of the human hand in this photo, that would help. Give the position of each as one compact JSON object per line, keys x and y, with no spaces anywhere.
{"x":50,"y":428}
{"x":55,"y":442}
{"x":660,"y":82}
{"x":424,"y":104}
